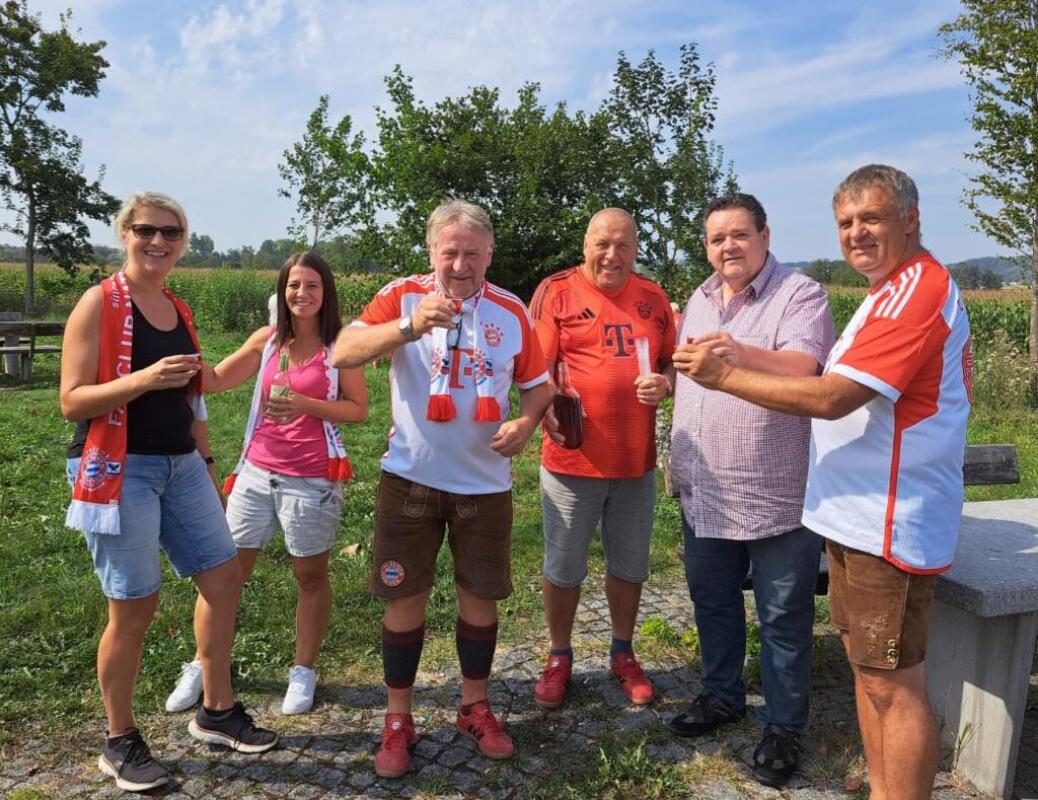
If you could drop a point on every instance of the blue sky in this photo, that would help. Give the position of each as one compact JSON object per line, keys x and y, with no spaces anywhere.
{"x":202,"y":98}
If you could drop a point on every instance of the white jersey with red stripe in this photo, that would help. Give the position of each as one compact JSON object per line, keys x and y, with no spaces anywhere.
{"x":454,"y":456}
{"x":887,"y":478}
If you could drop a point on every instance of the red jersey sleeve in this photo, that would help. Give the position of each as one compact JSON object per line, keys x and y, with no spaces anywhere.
{"x":905,"y":328}
{"x":670,"y":335}
{"x":543,"y":311}
{"x":384,"y":306}
{"x":529,"y":364}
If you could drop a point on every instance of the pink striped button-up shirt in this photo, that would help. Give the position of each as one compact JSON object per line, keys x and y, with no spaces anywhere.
{"x":740,"y":468}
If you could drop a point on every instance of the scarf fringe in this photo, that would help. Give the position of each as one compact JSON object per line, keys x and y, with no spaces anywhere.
{"x":488,"y":410}
{"x":339,"y":469}
{"x":441,"y":408}
{"x":88,"y":517}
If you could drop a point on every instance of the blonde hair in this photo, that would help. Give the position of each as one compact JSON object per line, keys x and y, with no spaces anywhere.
{"x":138,"y":200}
{"x":458,"y":212}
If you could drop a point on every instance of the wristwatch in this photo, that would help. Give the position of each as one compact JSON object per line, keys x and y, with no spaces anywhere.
{"x":406,"y":328}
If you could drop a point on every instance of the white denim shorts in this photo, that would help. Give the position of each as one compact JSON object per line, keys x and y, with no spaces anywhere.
{"x":306,"y":509}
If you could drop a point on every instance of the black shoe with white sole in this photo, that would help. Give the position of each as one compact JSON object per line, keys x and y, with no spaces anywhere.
{"x":128,"y":759}
{"x":231,"y":728}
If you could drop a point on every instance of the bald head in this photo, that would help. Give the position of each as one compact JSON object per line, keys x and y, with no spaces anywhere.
{"x":610,"y":248}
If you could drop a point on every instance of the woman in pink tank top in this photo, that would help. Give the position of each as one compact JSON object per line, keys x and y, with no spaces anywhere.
{"x":293,"y":464}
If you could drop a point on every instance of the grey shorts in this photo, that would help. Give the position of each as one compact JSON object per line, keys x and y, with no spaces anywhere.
{"x":306,"y":509}
{"x":573,"y":506}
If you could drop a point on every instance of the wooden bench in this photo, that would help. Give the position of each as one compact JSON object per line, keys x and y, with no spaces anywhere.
{"x":20,"y":347}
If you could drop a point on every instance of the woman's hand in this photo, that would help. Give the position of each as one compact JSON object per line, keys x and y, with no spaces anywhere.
{"x":286,"y":408}
{"x":171,"y":372}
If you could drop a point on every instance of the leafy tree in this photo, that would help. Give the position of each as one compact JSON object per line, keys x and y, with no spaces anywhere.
{"x":326,"y":173}
{"x":202,"y":248}
{"x":669,"y":170}
{"x":41,"y":178}
{"x":996,"y":43}
{"x":273,"y":253}
{"x":540,"y":174}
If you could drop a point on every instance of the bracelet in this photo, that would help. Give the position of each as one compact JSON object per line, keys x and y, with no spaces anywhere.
{"x":209,"y":460}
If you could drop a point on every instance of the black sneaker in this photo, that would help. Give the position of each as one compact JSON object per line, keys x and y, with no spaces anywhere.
{"x":232,"y":728}
{"x":705,"y":714}
{"x":128,"y":759}
{"x":776,"y":757}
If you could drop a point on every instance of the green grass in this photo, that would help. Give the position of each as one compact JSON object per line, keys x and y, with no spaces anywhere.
{"x":52,"y":610}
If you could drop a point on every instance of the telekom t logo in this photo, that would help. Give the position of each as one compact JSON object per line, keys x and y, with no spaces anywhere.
{"x":620,"y":336}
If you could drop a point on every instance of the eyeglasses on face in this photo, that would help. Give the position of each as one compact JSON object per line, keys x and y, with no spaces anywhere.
{"x":170,"y":233}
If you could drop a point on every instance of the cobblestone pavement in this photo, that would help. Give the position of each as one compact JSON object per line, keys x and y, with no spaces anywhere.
{"x":329,"y":753}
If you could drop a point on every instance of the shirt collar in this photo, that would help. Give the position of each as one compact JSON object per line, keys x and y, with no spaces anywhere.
{"x":712,"y":285}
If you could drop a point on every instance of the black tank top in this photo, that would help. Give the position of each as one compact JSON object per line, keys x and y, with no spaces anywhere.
{"x":158,"y":423}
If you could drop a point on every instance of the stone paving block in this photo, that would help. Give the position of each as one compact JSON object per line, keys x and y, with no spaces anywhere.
{"x":362,"y":780}
{"x":465,"y":782}
{"x":195,"y":787}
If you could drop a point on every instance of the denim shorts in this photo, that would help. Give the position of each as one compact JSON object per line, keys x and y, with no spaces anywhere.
{"x":572,"y":507}
{"x":306,"y":509}
{"x":168,"y":503}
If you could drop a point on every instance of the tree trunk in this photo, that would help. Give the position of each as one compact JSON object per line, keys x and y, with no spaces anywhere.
{"x":30,"y":256}
{"x":1032,"y":339}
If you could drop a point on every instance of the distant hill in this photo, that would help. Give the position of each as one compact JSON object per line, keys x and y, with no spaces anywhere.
{"x":1007,"y":268}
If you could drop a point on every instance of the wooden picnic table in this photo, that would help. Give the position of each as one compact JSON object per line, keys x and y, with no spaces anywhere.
{"x":18,"y":339}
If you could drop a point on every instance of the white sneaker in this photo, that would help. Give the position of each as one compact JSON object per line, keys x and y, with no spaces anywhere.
{"x":188,"y":689}
{"x":300,"y":695}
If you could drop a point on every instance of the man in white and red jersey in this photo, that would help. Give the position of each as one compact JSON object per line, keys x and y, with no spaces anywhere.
{"x":458,"y":344}
{"x":884,"y":483}
{"x":594,"y":318}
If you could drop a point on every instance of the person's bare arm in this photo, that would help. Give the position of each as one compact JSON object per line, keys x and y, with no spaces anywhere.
{"x":81,"y":397}
{"x":758,"y":359}
{"x":238,"y":367}
{"x":513,"y":435}
{"x":358,"y":345}
{"x":830,"y":396}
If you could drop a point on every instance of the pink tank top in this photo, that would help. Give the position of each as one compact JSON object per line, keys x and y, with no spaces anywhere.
{"x":298,"y":448}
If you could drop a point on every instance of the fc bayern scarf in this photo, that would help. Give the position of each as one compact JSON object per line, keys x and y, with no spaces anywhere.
{"x":99,"y":481}
{"x":441,"y":406}
{"x":339,"y":466}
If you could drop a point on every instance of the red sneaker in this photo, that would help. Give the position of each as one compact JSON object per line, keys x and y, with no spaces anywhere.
{"x":482,"y":726}
{"x":636,"y":686}
{"x":550,"y":690}
{"x":393,"y":758}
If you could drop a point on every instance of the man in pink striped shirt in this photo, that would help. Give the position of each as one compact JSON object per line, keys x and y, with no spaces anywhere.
{"x":741,"y":470}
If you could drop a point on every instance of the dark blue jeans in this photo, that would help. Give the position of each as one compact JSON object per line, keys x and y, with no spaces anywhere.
{"x":785,"y":568}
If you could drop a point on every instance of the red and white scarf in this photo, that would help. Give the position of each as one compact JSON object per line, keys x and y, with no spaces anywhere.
{"x":339,"y":466}
{"x":441,"y":406}
{"x":99,"y":481}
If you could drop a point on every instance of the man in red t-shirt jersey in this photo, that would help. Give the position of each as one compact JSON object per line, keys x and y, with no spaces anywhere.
{"x":614,"y":330}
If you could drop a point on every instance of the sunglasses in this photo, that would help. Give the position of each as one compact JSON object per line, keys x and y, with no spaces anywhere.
{"x":170,"y":233}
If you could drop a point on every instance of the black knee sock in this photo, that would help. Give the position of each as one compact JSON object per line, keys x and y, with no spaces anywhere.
{"x":476,"y":647}
{"x":401,"y":652}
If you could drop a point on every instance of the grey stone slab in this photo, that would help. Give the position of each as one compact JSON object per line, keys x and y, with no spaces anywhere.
{"x":995,"y":570}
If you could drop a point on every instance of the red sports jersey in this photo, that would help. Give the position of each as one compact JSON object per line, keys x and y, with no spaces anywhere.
{"x":887,"y":478}
{"x":593,"y":332}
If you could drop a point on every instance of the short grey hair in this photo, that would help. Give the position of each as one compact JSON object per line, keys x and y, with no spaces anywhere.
{"x":138,"y":200}
{"x":898,"y":186}
{"x":458,"y":212}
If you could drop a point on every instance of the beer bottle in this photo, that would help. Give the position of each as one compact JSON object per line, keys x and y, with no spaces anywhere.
{"x":568,"y":409}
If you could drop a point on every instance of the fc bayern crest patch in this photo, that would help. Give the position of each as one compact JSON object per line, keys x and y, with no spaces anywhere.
{"x":391,"y":573}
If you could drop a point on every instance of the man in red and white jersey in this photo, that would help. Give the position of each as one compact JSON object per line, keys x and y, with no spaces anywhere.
{"x":458,"y":343}
{"x":595,"y":318}
{"x":884,"y":483}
